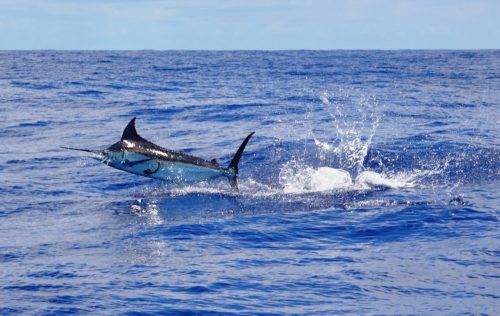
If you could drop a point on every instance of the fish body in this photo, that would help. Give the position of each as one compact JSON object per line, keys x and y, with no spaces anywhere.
{"x":139,"y":156}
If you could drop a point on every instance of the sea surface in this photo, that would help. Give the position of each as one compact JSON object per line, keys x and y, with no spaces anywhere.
{"x":371,"y":186}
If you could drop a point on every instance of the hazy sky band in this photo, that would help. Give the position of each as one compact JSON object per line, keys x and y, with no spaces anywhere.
{"x":252,"y":24}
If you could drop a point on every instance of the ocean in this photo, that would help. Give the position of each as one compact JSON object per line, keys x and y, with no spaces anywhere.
{"x":371,"y":185}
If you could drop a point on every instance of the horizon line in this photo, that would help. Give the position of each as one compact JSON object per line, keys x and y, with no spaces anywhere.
{"x":248,"y":49}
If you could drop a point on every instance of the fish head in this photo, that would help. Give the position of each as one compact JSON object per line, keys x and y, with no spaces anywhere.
{"x":113,"y":155}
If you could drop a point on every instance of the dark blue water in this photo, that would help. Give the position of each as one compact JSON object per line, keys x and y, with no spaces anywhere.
{"x":371,"y":185}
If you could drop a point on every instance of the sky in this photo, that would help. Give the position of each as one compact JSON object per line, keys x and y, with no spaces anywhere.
{"x":251,"y":24}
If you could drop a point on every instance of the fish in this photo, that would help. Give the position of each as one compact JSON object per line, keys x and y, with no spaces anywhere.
{"x":136,"y":155}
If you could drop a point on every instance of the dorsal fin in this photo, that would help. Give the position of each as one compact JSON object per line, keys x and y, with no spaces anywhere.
{"x":130,"y":133}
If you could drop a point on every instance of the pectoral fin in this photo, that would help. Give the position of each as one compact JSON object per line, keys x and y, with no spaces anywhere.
{"x":150,"y":172}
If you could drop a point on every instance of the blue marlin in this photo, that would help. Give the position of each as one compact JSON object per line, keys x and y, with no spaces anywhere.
{"x":139,"y":156}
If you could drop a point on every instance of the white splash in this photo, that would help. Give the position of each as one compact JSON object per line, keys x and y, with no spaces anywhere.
{"x":355,"y":119}
{"x":149,"y":211}
{"x":370,"y":179}
{"x":295,"y":178}
{"x":323,"y":146}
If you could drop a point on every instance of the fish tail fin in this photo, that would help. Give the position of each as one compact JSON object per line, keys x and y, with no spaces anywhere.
{"x":233,"y":166}
{"x":233,"y":181}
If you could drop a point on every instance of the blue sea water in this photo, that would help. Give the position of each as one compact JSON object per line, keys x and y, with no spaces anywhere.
{"x":371,"y":185}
